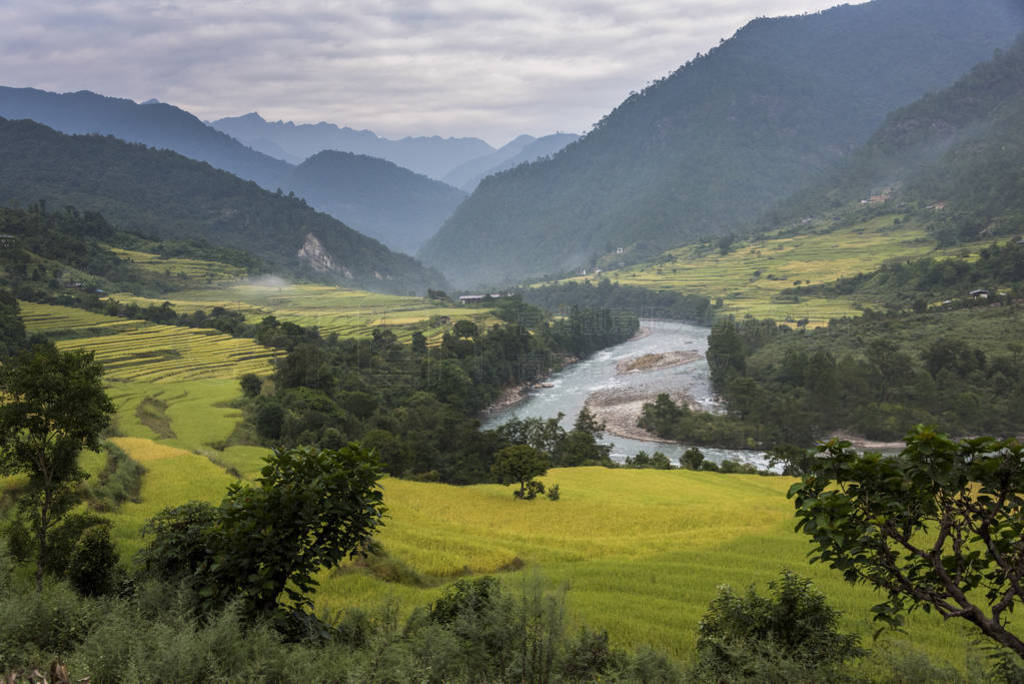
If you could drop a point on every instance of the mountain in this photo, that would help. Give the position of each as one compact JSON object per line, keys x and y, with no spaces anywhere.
{"x":961,"y":148}
{"x":522,"y":150}
{"x":431,"y":156}
{"x":153,"y":123}
{"x":402,"y":211}
{"x":710,"y":147}
{"x":471,"y":171}
{"x":165,"y":195}
{"x":380,"y":199}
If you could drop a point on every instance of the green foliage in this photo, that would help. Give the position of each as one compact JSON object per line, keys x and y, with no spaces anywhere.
{"x":692,"y":459}
{"x":647,"y":303}
{"x":119,"y":481}
{"x":251,"y":385}
{"x":178,"y":547}
{"x":929,"y":527}
{"x":790,"y":635}
{"x":520,"y":463}
{"x":55,"y":406}
{"x":93,"y":564}
{"x":310,"y":508}
{"x":657,"y":460}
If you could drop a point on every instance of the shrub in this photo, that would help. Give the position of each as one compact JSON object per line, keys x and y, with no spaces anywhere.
{"x":93,"y":565}
{"x":791,"y":635}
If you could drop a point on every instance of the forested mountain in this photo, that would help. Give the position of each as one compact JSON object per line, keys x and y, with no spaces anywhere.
{"x":380,"y":199}
{"x":394,"y":205}
{"x":959,"y":150}
{"x":432,"y":156}
{"x":532,"y":151}
{"x":710,"y":147}
{"x":165,"y":195}
{"x":155,"y":124}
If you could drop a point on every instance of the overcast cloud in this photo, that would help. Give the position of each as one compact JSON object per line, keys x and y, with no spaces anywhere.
{"x":490,"y":68}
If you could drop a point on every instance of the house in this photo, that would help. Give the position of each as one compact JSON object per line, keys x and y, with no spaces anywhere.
{"x":979,"y":293}
{"x":7,"y":241}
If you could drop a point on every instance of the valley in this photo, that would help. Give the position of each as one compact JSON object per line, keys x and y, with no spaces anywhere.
{"x":295,"y":401}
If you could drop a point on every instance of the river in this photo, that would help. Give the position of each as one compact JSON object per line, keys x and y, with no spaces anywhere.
{"x":598,"y":376}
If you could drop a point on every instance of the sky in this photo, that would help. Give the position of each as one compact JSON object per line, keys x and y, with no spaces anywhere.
{"x":486,"y":68}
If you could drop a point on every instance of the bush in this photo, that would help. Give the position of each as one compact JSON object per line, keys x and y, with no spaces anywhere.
{"x":553,"y":493}
{"x":791,"y":635}
{"x":93,"y":565}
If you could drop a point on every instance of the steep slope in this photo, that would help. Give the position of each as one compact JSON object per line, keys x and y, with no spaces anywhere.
{"x":155,"y":124}
{"x":164,"y":194}
{"x":431,"y":156}
{"x":707,"y":149}
{"x":380,"y":199}
{"x":960,"y":148}
{"x":537,"y":148}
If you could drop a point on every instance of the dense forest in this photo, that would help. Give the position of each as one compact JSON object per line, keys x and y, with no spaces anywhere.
{"x":958,"y":150}
{"x":417,"y":405}
{"x":166,"y":196}
{"x":706,"y":149}
{"x":873,"y":376}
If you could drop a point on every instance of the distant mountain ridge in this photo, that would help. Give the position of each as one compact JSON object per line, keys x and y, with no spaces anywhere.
{"x":168,"y":196}
{"x":154,"y":123}
{"x":403,"y":211}
{"x":431,"y":156}
{"x":522,"y":150}
{"x":709,"y":148}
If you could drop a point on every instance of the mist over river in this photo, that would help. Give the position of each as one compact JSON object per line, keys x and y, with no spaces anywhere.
{"x":599,"y":379}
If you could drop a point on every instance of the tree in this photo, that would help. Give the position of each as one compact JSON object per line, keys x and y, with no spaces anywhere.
{"x":791,"y":634}
{"x":691,"y":459}
{"x":935,"y":527}
{"x":310,"y":509}
{"x":251,"y":385}
{"x":520,"y":463}
{"x":54,"y":407}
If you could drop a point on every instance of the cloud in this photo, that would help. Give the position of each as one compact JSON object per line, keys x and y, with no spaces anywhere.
{"x":491,"y":68}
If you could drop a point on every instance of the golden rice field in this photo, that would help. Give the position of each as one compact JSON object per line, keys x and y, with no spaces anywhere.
{"x":193,"y":372}
{"x":209,"y":271}
{"x":347,"y":313}
{"x":641,"y":552}
{"x":752,"y":275}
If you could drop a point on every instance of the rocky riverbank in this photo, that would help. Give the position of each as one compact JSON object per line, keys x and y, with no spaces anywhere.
{"x":649,"y":362}
{"x":620,"y":410}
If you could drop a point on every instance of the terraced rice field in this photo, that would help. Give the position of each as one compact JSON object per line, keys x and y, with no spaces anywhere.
{"x":209,"y":271}
{"x":136,"y":351}
{"x":640,"y":553}
{"x":168,"y":383}
{"x":347,"y":313}
{"x":750,"y":278}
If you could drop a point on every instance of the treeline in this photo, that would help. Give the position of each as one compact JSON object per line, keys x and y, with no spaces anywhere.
{"x":605,"y":294}
{"x":416,"y":405}
{"x":874,"y":376}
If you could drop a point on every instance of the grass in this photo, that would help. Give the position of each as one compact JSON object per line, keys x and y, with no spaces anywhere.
{"x":347,"y":313}
{"x":642,"y":552}
{"x":751,"y":276}
{"x":209,"y":271}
